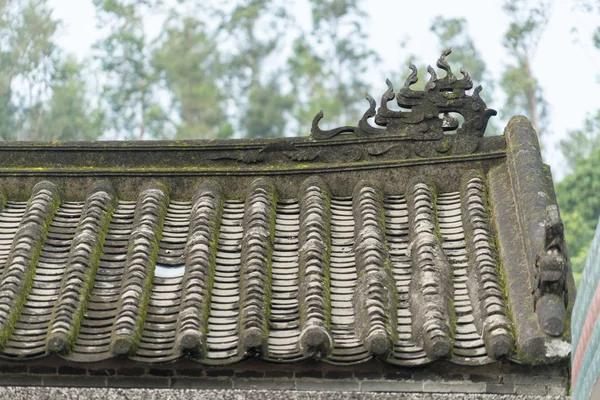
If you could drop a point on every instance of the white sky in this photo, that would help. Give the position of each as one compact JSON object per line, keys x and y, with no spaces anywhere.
{"x":566,"y":64}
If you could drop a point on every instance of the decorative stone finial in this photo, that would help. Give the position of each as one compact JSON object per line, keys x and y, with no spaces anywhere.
{"x":422,"y":122}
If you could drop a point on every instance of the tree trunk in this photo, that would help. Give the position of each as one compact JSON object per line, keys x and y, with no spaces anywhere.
{"x":143,"y":109}
{"x":530,"y":93}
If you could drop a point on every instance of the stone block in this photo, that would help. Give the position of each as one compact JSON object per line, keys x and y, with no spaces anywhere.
{"x":13,"y":369}
{"x":160,"y":372}
{"x":23,"y":380}
{"x":328,"y":385}
{"x":279,"y":374}
{"x":133,"y":382}
{"x":558,"y":391}
{"x":66,"y":370}
{"x":131,"y":372}
{"x":75,"y":381}
{"x":311,"y":373}
{"x":249,"y":374}
{"x":506,"y":388}
{"x":42,"y":370}
{"x":538,"y":380}
{"x":212,"y":384}
{"x":391,"y":386}
{"x":219,"y":372}
{"x":262,"y":384}
{"x":454,"y":387}
{"x":102,"y":372}
{"x":538,"y":390}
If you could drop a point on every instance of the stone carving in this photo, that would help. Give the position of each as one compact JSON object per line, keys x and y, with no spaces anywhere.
{"x":417,"y":129}
{"x":551,"y":268}
{"x":420,"y":120}
{"x":302,"y":155}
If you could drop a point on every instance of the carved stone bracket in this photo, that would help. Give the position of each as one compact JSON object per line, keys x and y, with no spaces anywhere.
{"x":551,"y":272}
{"x":419,"y":118}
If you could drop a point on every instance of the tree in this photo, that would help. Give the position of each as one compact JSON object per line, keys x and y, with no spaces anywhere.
{"x":27,"y":57}
{"x":256,"y":29}
{"x":453,"y":33}
{"x":129,"y":89}
{"x":335,"y":82}
{"x":523,"y":92}
{"x":577,"y":195}
{"x":265,"y":116}
{"x":581,"y":142}
{"x":188,"y":61}
{"x":68,"y":114}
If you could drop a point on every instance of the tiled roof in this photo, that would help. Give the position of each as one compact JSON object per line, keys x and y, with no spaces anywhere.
{"x":343,"y":249}
{"x":288,"y":276}
{"x":409,"y":276}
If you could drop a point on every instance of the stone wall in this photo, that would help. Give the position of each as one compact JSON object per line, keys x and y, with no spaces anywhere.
{"x":440,"y":377}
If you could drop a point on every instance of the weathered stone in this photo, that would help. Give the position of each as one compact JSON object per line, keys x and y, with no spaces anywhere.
{"x":409,"y":247}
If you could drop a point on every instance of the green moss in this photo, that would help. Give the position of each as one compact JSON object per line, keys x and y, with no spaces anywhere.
{"x":213,"y":243}
{"x":214,"y":165}
{"x":3,"y":198}
{"x":147,"y":283}
{"x":88,"y":284}
{"x":500,"y":273}
{"x":269,"y":259}
{"x":436,"y":231}
{"x":7,"y":328}
{"x":452,"y":318}
{"x":14,"y":314}
{"x":269,"y":247}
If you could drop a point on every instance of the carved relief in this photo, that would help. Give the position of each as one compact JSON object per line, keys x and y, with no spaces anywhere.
{"x":420,"y":118}
{"x":421,"y":128}
{"x":551,"y":272}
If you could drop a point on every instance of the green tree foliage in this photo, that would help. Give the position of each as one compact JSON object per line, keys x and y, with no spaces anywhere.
{"x":42,"y":94}
{"x":265,"y":113}
{"x":577,"y":195}
{"x":68,"y":114}
{"x":129,"y":89}
{"x":328,"y":65}
{"x":528,"y":20}
{"x":27,"y":55}
{"x":258,"y":28}
{"x":581,"y":142}
{"x":188,"y":62}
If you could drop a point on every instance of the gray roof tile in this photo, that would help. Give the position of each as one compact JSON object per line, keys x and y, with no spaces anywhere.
{"x":409,"y":252}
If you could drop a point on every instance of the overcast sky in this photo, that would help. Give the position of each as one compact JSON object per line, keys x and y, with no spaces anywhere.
{"x":566,"y":63}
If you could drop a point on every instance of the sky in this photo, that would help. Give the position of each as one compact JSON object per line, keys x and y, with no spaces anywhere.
{"x":566,"y":63}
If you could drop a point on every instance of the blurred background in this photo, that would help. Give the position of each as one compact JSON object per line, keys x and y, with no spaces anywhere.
{"x":207,"y":69}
